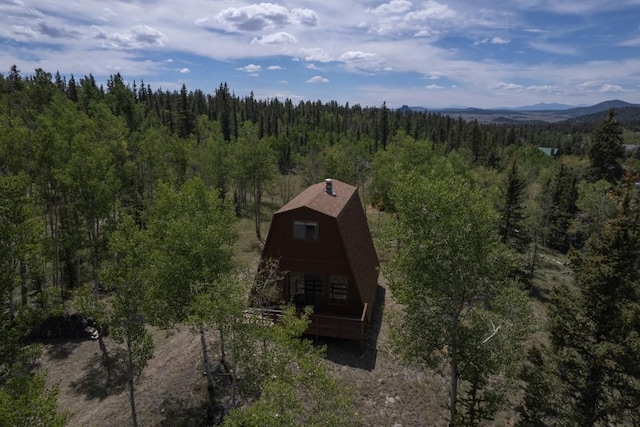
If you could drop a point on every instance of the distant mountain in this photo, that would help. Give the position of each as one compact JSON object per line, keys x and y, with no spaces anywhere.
{"x":603,"y":106}
{"x":538,"y":113}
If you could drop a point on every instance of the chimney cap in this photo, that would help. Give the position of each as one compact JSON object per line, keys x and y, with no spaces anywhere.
{"x":329,"y":186}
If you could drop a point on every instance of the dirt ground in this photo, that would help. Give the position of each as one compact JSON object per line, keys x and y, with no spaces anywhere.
{"x":172,"y":388}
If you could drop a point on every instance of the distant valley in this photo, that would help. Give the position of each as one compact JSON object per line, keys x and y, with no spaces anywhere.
{"x":539,"y":113}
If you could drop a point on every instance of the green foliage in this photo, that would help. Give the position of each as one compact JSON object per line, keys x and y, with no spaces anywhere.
{"x":75,"y":156}
{"x":403,"y":154}
{"x":558,"y":202}
{"x":21,"y":235}
{"x":597,"y":203}
{"x":294,"y":387}
{"x":511,"y":208}
{"x":25,"y":401}
{"x":606,"y":152}
{"x":192,"y":236}
{"x":594,"y":333}
{"x":126,"y":274}
{"x":460,"y":308}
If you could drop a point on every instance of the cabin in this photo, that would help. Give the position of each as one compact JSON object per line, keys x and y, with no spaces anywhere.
{"x":323,"y":243}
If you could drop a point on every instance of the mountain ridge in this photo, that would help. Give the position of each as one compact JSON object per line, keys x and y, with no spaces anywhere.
{"x":523,"y":115}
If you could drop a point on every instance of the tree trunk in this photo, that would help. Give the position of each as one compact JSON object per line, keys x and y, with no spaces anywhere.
{"x":256,"y":208}
{"x":24,"y":292}
{"x":11,"y":306}
{"x":132,"y":397}
{"x":207,"y":368}
{"x":453,"y":379}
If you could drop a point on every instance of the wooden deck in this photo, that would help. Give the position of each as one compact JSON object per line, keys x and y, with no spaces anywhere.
{"x":322,"y":325}
{"x":349,"y":328}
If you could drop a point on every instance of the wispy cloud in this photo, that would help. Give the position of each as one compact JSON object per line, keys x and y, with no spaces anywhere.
{"x":554,"y":48}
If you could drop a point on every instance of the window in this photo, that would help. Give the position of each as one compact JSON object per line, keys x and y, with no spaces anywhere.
{"x":296,"y":284}
{"x":338,"y":290}
{"x":305,"y":230}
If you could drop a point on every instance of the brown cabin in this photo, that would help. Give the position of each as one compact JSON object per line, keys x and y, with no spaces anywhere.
{"x":322,"y":240}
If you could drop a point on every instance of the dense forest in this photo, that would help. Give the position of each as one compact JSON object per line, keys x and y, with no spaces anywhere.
{"x":119,"y":203}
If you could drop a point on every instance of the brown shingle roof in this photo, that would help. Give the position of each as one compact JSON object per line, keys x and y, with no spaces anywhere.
{"x":315,"y":197}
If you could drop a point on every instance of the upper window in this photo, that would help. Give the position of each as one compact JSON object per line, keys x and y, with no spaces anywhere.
{"x":305,"y":230}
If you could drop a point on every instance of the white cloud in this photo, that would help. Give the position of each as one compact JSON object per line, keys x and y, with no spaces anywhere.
{"x":402,"y":18}
{"x":432,"y":10}
{"x":184,"y":70}
{"x":494,"y":40}
{"x":363,"y":60}
{"x":251,"y":68}
{"x":313,"y":67}
{"x":611,"y":88}
{"x":305,"y":17}
{"x":394,"y":6}
{"x":500,"y":40}
{"x":140,"y":36}
{"x":507,"y":86}
{"x":274,"y":67}
{"x":434,"y":87}
{"x":275,"y":39}
{"x":318,"y":79}
{"x":22,"y":33}
{"x":264,"y":16}
{"x":543,"y":88}
{"x":316,"y":54}
{"x":357,"y":56}
{"x":255,"y":17}
{"x":434,"y":76}
{"x":557,"y":49}
{"x":634,"y":42}
{"x":588,"y":84}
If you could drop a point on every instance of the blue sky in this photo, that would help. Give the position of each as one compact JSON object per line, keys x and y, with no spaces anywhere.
{"x":480,"y":53}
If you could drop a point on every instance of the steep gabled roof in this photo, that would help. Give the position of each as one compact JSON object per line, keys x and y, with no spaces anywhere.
{"x":345,"y":206}
{"x":315,"y":197}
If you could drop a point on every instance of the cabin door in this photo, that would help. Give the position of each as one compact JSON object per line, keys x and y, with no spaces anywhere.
{"x":314,"y":291}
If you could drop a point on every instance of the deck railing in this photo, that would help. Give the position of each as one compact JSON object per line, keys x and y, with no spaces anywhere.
{"x":351,"y":328}
{"x":329,"y":325}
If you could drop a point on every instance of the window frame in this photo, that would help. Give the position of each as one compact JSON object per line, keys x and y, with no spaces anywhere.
{"x":309,"y":230}
{"x":338,"y":290}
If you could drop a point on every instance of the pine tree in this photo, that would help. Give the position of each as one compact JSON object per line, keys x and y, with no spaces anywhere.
{"x":594,"y":352}
{"x":606,"y":150}
{"x":511,"y":215}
